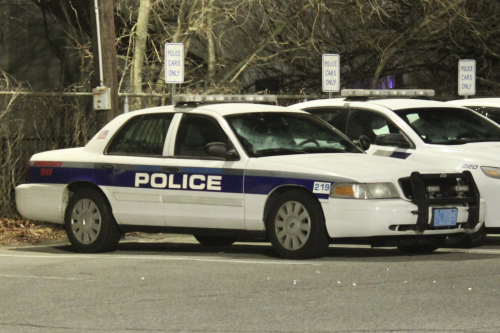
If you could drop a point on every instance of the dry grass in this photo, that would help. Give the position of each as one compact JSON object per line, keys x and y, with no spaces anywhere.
{"x":15,"y":232}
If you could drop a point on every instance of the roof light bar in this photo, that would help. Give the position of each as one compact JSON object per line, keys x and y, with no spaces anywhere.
{"x":387,"y":92}
{"x":188,"y":98}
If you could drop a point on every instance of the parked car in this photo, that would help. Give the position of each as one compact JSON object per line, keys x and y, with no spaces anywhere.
{"x":226,"y":172}
{"x":488,"y":107}
{"x":405,"y":125}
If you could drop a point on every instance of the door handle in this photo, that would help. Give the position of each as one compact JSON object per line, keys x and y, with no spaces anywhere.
{"x":108,"y":166}
{"x":172,"y":169}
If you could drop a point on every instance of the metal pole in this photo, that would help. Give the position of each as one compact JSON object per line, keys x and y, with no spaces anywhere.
{"x":172,"y":93}
{"x":101,"y":75}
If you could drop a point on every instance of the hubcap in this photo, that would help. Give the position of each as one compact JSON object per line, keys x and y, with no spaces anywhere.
{"x":292,"y":225}
{"x":85,"y":221}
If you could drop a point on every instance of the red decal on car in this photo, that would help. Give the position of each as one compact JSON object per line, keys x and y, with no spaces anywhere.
{"x":46,"y":172}
{"x":48,"y":164}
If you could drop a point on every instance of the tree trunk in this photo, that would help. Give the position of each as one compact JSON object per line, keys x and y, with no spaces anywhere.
{"x":210,"y":43}
{"x":141,"y":35}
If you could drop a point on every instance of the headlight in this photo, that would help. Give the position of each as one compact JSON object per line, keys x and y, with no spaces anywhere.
{"x":364,"y":191}
{"x":491,"y":172}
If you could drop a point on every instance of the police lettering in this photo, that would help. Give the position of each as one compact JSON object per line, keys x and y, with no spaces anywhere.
{"x":188,"y":182}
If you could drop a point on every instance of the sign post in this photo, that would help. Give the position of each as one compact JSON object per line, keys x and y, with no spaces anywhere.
{"x":174,"y":65}
{"x":330,"y":70}
{"x":466,"y":77}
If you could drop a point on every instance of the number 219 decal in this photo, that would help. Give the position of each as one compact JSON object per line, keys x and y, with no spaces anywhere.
{"x":323,"y":188}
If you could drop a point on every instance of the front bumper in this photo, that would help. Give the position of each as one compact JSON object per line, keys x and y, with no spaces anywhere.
{"x":347,"y":218}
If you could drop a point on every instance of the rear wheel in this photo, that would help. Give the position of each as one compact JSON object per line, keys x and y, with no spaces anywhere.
{"x":430,"y":247}
{"x":215,"y":240}
{"x":468,"y":240}
{"x":89,"y":222}
{"x":296,"y":226}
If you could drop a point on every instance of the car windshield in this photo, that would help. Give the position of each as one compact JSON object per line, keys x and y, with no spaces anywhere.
{"x":449,"y":126}
{"x":491,"y":112}
{"x":283,"y":133}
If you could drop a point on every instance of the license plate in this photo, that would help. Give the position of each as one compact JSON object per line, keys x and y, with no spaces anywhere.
{"x":445,"y":217}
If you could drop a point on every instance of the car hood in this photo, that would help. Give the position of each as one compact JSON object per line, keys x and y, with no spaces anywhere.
{"x":483,"y":153}
{"x":361,"y":168}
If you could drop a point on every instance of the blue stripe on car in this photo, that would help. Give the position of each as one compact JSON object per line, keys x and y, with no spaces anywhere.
{"x":125,"y":176}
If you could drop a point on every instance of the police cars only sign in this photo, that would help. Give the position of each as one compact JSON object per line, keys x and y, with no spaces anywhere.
{"x":466,"y":77}
{"x":174,"y":63}
{"x":331,"y":72}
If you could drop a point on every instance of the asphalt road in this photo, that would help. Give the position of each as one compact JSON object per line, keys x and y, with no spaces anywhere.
{"x":172,"y":284}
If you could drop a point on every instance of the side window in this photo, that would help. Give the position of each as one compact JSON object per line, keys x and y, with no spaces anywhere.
{"x":370,"y":124}
{"x":195,"y":132}
{"x":141,"y":135}
{"x":330,"y":115}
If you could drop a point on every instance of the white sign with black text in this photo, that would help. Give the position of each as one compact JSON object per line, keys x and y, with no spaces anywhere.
{"x":331,"y":72}
{"x":466,"y":77}
{"x":174,"y":63}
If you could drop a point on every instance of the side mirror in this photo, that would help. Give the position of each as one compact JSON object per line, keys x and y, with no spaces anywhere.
{"x":219,"y":149}
{"x":363,"y":142}
{"x":394,"y":140}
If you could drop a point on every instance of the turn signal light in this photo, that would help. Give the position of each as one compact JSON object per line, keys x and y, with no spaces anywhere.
{"x":344,"y":190}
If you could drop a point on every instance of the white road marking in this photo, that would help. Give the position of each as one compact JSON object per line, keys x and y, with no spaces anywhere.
{"x":39,"y":277}
{"x":166,"y":258}
{"x":478,"y":251}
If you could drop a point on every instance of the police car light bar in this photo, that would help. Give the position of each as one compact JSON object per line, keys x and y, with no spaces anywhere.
{"x":188,"y":98}
{"x":386,"y":92}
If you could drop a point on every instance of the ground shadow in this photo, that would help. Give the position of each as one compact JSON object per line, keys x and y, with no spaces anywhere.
{"x":264,"y":251}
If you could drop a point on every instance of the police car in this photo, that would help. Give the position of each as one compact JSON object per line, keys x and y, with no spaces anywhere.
{"x":393,"y":124}
{"x":237,"y":171}
{"x":488,"y":107}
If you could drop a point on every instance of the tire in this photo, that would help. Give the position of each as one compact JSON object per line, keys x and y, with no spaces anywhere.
{"x":296,"y":226}
{"x":215,"y":240}
{"x":89,"y":222}
{"x":468,"y":241}
{"x":437,"y":242}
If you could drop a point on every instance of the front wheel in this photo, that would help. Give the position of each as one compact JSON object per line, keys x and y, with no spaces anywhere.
{"x":435,"y":244}
{"x":296,"y":226}
{"x":89,"y":222}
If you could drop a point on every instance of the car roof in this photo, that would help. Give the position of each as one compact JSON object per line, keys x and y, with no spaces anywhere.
{"x":408,"y":103}
{"x":477,"y":102}
{"x":222,"y":109}
{"x":390,"y":103}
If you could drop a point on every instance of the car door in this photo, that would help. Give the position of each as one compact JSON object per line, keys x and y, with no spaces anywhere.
{"x":372,"y":124}
{"x":203,"y":191}
{"x":133,"y":154}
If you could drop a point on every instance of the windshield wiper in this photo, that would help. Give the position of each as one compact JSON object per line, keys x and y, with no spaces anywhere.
{"x":278,"y":151}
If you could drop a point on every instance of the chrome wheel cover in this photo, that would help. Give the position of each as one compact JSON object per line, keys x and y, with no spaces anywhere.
{"x":85,"y":221}
{"x":292,"y":225}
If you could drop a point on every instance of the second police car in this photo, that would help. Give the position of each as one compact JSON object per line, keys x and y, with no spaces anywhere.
{"x":226,"y":172}
{"x":393,"y":124}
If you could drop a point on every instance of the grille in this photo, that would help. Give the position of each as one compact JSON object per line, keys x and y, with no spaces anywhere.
{"x":446,"y":184}
{"x":415,"y":189}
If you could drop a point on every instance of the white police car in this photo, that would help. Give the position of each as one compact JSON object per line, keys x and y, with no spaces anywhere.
{"x":425,"y":131}
{"x":227,"y":172}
